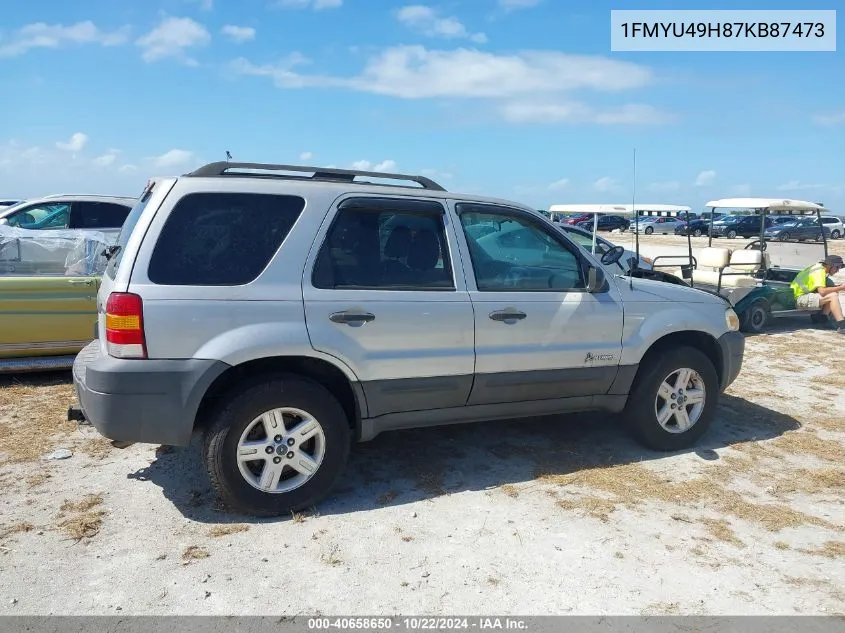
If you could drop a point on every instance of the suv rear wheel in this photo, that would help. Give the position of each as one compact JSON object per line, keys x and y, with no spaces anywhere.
{"x":276,"y":447}
{"x":673,"y":400}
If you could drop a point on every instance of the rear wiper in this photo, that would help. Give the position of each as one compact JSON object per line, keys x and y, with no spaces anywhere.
{"x":110,"y":251}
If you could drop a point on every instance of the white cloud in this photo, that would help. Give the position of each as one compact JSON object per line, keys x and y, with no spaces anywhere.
{"x":75,"y":144}
{"x":171,"y":38}
{"x":557,"y":185}
{"x":173,"y":158}
{"x":830,"y":119}
{"x":306,"y":156}
{"x":575,"y":112}
{"x":365,"y":165}
{"x":107,"y":159}
{"x":305,"y":4}
{"x":427,"y":21}
{"x":510,"y":5}
{"x":604,"y":184}
{"x":660,"y":187}
{"x":414,"y":72}
{"x":204,"y":5}
{"x":797,"y":185}
{"x":705,"y":178}
{"x":42,"y":35}
{"x":238,"y":33}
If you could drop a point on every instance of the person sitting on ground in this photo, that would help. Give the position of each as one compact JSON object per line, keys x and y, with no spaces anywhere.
{"x":814,"y":290}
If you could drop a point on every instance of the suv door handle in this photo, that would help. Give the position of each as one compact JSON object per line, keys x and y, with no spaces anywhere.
{"x":507,"y":315}
{"x":352,"y":317}
{"x":81,"y":282}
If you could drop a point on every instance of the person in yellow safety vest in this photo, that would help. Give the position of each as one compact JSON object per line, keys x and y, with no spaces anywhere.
{"x":814,"y":291}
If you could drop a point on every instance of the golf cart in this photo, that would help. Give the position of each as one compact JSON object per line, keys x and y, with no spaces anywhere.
{"x":756,"y":279}
{"x":634,"y":265}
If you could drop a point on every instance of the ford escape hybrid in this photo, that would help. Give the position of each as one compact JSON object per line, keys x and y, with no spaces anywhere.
{"x":284,"y":312}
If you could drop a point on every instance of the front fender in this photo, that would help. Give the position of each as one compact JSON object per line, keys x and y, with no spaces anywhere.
{"x":644,"y":326}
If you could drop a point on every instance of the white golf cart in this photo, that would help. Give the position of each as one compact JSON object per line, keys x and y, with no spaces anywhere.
{"x":755,"y":278}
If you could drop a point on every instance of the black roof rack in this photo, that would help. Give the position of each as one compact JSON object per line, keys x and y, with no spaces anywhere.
{"x":224,"y":168}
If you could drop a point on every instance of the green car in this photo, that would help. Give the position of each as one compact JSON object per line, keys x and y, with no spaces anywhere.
{"x":48,"y":297}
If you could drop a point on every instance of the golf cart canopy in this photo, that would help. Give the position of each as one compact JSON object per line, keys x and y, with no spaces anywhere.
{"x":769,"y":205}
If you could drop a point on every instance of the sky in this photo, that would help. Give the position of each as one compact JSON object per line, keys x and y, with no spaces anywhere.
{"x":520,"y":99}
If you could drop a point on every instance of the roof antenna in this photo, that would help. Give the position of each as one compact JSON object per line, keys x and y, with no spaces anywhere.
{"x":228,"y":156}
{"x":636,"y":223}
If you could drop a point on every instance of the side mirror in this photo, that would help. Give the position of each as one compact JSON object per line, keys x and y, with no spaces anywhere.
{"x":633,"y":264}
{"x":595,"y":279}
{"x":4,"y":221}
{"x":612,"y":256}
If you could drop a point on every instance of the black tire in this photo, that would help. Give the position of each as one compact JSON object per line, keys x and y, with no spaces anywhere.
{"x":697,"y":233}
{"x":783,"y":237}
{"x":640,"y":411}
{"x":731,"y":234}
{"x":819,"y":237}
{"x":649,"y":230}
{"x":756,"y":317}
{"x":834,"y":234}
{"x":221,"y":441}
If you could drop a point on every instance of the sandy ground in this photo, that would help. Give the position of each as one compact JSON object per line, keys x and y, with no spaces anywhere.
{"x":554,"y":516}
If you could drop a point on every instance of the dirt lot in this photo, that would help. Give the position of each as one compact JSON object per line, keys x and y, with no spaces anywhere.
{"x":565,"y":516}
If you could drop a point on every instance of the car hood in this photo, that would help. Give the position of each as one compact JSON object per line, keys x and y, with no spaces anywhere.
{"x":657,"y":291}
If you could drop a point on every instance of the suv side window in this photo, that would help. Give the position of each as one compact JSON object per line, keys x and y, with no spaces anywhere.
{"x":385,"y":244}
{"x":534,"y":260}
{"x":221,"y":239}
{"x":98,"y":215}
{"x":49,"y":215}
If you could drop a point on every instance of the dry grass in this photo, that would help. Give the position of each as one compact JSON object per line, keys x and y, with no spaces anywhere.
{"x":86,"y":518}
{"x":630,"y":485}
{"x":331,"y":557}
{"x":194,"y":552}
{"x":16,"y":528}
{"x":39,"y":478}
{"x":722,"y":530}
{"x":510,"y":490}
{"x":781,"y":545}
{"x":225,"y":530}
{"x":831,"y":549}
{"x":33,"y":415}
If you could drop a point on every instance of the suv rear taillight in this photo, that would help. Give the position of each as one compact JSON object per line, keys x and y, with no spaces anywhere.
{"x":125,"y":326}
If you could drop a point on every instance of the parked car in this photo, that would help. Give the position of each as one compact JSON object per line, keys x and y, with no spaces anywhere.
{"x":577,"y":219}
{"x":48,"y":291}
{"x":664,"y":225}
{"x":798,"y":229}
{"x":834,"y":225}
{"x":267,"y":314}
{"x":585,"y":239}
{"x":607,"y":223}
{"x":695,"y":227}
{"x":74,"y":212}
{"x":6,"y":202}
{"x":731,"y":226}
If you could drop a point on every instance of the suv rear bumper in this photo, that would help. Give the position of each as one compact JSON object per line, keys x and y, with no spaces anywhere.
{"x":148,"y":401}
{"x":732,"y":347}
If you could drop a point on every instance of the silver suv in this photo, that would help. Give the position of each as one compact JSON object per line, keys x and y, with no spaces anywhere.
{"x":283,"y":311}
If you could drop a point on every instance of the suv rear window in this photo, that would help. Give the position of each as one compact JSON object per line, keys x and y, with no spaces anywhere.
{"x":221,"y":239}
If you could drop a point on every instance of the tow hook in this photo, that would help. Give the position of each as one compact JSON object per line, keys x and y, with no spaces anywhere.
{"x":76,"y":414}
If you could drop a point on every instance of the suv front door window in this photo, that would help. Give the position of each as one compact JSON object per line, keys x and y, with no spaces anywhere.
{"x":534,"y":298}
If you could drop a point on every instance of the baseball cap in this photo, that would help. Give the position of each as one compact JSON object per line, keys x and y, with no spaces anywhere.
{"x":833,"y":260}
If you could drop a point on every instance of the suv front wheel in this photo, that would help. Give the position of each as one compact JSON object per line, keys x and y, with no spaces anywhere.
{"x":277,"y":447}
{"x":673,"y":400}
